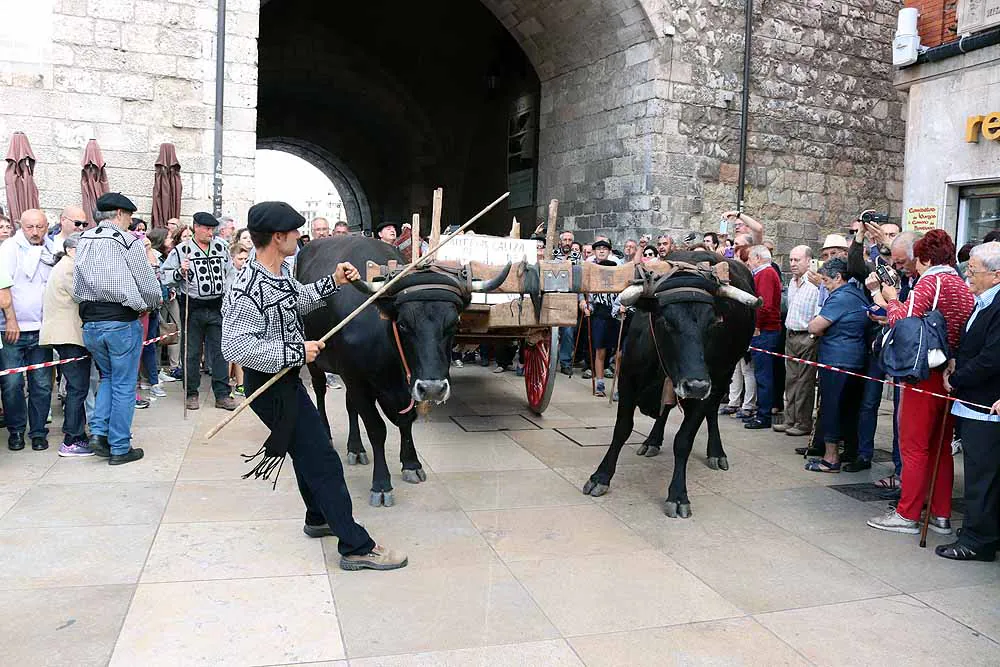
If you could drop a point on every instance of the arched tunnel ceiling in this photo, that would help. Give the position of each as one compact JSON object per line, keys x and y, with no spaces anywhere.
{"x":410,"y":96}
{"x":560,"y":35}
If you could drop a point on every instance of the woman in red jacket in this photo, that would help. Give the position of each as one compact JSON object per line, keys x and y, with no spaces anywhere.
{"x":920,"y":416}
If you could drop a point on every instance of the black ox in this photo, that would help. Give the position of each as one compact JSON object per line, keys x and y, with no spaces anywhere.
{"x":693,"y":328}
{"x":424,"y":307}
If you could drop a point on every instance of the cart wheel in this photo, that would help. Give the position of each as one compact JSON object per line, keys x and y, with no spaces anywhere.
{"x":540,"y":362}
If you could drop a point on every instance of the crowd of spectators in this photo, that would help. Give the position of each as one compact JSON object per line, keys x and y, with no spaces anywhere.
{"x":836,"y":305}
{"x":99,"y":305}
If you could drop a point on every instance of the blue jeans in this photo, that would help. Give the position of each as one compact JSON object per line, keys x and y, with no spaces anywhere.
{"x":149,"y":353}
{"x":77,"y":376}
{"x":763,"y":366}
{"x":567,"y":337}
{"x":116,"y":347}
{"x":18,"y":412}
{"x":871,"y":398}
{"x":840,"y":396}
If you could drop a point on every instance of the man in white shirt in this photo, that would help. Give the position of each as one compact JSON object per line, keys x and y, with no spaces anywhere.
{"x":27,"y":259}
{"x":800,"y":379}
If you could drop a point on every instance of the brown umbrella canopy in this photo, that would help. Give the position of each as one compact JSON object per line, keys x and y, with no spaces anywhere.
{"x":22,"y":194}
{"x":166,"y":186}
{"x":93,"y":179}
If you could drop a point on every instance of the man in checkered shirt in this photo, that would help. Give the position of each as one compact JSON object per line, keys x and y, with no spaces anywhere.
{"x":200,"y":268}
{"x":114,"y":284}
{"x":263,"y":333}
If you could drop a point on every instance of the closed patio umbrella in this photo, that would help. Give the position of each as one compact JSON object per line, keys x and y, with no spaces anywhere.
{"x":22,"y":194}
{"x":166,"y":186}
{"x":93,"y":178}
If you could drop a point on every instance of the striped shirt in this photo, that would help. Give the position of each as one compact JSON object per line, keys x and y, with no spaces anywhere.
{"x":803,"y":300}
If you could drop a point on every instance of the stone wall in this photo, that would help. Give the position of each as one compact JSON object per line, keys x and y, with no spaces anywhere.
{"x":646,"y":137}
{"x":133,"y":74}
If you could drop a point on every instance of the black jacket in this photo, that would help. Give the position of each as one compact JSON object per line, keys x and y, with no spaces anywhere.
{"x":977,"y":364}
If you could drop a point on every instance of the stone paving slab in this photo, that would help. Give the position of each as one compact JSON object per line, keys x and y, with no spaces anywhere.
{"x":175,"y":560}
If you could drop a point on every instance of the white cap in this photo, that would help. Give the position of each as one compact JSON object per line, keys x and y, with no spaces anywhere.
{"x":835,"y":241}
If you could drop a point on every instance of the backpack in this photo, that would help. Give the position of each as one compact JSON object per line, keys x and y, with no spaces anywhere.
{"x":915,"y":345}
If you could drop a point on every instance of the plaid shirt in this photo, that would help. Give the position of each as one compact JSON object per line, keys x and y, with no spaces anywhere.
{"x":112,"y":267}
{"x":803,"y":299}
{"x":262,"y":317}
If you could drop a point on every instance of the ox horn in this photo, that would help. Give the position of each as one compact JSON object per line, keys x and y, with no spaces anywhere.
{"x":739,"y":296}
{"x":493,"y":283}
{"x":366,"y":287}
{"x":630,"y":295}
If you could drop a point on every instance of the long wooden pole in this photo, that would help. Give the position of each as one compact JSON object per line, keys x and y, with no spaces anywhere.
{"x":357,"y":311}
{"x":550,"y":231}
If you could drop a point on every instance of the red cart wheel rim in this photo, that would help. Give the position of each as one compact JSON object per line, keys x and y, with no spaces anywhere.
{"x":538,"y":377}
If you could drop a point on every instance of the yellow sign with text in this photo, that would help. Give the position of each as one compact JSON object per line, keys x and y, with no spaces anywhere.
{"x":987,"y":126}
{"x":921,"y":218}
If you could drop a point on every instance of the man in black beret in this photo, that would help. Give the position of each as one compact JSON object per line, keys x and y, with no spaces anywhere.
{"x":114,"y":284}
{"x":387,"y":231}
{"x":200,"y":268}
{"x":263,"y":336}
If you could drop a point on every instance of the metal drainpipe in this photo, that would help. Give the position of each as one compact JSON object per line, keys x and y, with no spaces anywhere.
{"x":220,"y":87}
{"x":745,"y":113}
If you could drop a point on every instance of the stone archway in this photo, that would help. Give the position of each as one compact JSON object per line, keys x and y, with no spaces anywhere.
{"x":356,"y":206}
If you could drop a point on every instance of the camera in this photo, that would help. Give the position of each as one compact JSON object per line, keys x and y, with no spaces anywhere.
{"x":886,"y":274}
{"x":874,"y":218}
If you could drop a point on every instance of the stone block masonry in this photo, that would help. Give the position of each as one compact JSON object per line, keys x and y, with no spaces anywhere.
{"x":646,"y":137}
{"x":133,"y":74}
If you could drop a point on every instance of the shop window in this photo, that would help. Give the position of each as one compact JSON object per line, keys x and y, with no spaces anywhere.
{"x":978,"y":212}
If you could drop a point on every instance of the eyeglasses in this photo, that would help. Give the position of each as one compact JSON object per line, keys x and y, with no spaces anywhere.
{"x":972,"y":272}
{"x":79,"y":223}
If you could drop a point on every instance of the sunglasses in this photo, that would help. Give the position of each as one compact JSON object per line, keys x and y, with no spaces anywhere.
{"x":649,"y":254}
{"x":79,"y":223}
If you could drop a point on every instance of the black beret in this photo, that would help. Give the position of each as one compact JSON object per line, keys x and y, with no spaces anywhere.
{"x":601,"y":243}
{"x":273,"y":216}
{"x":115,"y":201}
{"x":382,"y":225}
{"x":606,"y":262}
{"x":205,"y":219}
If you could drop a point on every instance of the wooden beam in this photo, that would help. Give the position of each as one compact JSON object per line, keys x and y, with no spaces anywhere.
{"x":550,"y":231}
{"x":436,"y":217}
{"x":415,"y":238}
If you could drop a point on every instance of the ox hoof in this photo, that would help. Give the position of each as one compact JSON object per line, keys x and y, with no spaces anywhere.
{"x":381,"y":499}
{"x":357,"y":458}
{"x":677,"y":510}
{"x":414,"y":476}
{"x":595,"y":489}
{"x":717,"y":462}
{"x":649,"y":451}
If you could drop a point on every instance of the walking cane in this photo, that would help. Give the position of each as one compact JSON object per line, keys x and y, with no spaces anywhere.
{"x":357,"y":311}
{"x":576,"y":344}
{"x":934,"y":474}
{"x":618,"y":362}
{"x":590,"y":344}
{"x":184,"y":347}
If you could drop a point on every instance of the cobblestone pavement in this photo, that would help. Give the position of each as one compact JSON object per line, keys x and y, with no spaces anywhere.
{"x":175,"y":560}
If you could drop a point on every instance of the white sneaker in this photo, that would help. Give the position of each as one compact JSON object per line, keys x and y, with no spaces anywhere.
{"x":165,"y":377}
{"x":458,"y":363}
{"x":144,"y":386}
{"x":332,"y":383}
{"x":894,"y":523}
{"x":157,"y":390}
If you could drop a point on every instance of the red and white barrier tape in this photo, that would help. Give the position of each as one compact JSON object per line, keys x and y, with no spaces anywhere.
{"x":906,"y":387}
{"x":50,"y":364}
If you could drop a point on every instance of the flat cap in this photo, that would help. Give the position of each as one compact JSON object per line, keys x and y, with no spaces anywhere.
{"x":273,"y":216}
{"x":600,"y":243}
{"x":205,"y":219}
{"x":385,"y":223}
{"x":115,"y":201}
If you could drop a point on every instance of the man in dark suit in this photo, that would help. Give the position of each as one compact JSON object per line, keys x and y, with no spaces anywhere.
{"x":976,"y":379}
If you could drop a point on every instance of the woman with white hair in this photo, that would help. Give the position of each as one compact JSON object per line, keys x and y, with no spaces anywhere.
{"x":62,"y":329}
